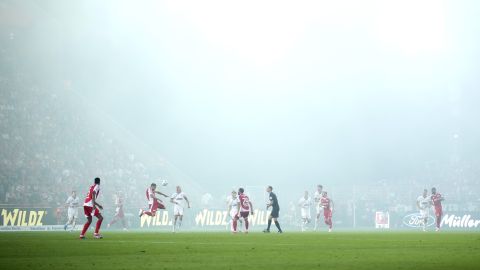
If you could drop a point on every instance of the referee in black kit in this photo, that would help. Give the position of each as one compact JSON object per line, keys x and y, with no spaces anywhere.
{"x":275,"y":211}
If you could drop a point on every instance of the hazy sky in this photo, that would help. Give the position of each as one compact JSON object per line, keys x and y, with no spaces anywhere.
{"x":278,"y":91}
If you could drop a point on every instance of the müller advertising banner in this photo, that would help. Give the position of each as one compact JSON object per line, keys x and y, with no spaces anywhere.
{"x":450,"y":220}
{"x":461,"y":220}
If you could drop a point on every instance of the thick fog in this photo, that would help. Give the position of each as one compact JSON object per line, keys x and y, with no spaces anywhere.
{"x":379,"y":98}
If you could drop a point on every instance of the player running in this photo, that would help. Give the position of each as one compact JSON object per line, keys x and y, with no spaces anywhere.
{"x":233,"y":203}
{"x":437,"y":204}
{"x":72,"y":204}
{"x":305,"y":202}
{"x":91,"y":208}
{"x":327,"y":205}
{"x":423,"y":204}
{"x":275,"y":210}
{"x":154,"y":203}
{"x":177,"y":198}
{"x":119,"y":214}
{"x":317,"y":197}
{"x":244,"y":207}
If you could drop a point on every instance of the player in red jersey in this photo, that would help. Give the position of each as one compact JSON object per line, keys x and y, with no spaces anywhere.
{"x":437,"y":204}
{"x":327,"y":205}
{"x":91,"y":208}
{"x":153,"y":202}
{"x":243,"y":209}
{"x":119,"y":214}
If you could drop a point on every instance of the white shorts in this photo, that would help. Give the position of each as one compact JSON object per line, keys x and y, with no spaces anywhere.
{"x":72,"y":212}
{"x":319,"y":209}
{"x":233,"y":213}
{"x":423,"y":213}
{"x":305,"y":213}
{"x":177,"y":210}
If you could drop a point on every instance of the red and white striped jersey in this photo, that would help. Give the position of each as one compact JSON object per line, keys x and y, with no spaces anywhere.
{"x":150,"y":195}
{"x":244,"y":203}
{"x":325,"y":203}
{"x":94,"y":189}
{"x":437,"y":200}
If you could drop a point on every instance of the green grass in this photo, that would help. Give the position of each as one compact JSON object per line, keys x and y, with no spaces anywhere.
{"x":161,"y":250}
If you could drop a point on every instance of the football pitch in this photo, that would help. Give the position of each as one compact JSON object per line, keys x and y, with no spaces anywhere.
{"x":185,"y":250}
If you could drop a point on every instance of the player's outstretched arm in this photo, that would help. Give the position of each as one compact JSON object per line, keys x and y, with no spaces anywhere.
{"x":160,"y":193}
{"x":172,"y":201}
{"x":186,"y":199}
{"x":251,"y":207}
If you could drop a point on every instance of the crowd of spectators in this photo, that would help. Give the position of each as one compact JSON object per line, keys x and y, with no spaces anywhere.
{"x":50,"y":146}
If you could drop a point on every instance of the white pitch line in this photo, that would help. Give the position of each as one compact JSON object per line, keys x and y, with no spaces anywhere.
{"x":204,"y":243}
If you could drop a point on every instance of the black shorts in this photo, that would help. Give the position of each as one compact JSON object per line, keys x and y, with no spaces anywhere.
{"x":244,"y":214}
{"x":275,"y":212}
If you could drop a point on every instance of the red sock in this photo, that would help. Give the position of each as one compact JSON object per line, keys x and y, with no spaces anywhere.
{"x":246,"y":224}
{"x":99,"y":223}
{"x":439,"y":220}
{"x":85,"y":227}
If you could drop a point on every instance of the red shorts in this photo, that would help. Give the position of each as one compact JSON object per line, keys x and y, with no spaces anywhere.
{"x":327,"y":213}
{"x":90,"y":211}
{"x":438,"y":211}
{"x":155,"y":206}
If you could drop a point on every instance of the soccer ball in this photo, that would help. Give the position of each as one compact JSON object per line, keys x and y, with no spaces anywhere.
{"x":164,"y":182}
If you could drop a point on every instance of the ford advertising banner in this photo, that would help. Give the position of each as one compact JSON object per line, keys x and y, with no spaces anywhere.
{"x":414,"y":220}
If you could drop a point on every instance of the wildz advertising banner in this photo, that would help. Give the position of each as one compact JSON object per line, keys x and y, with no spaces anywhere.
{"x":33,"y":218}
{"x":26,"y":217}
{"x":202,"y":218}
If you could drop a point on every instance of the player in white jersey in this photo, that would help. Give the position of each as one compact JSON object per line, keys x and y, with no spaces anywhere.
{"x":178,"y":199}
{"x":305,"y":203}
{"x":423,"y":204}
{"x":317,"y":197}
{"x":72,"y":203}
{"x":233,"y":202}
